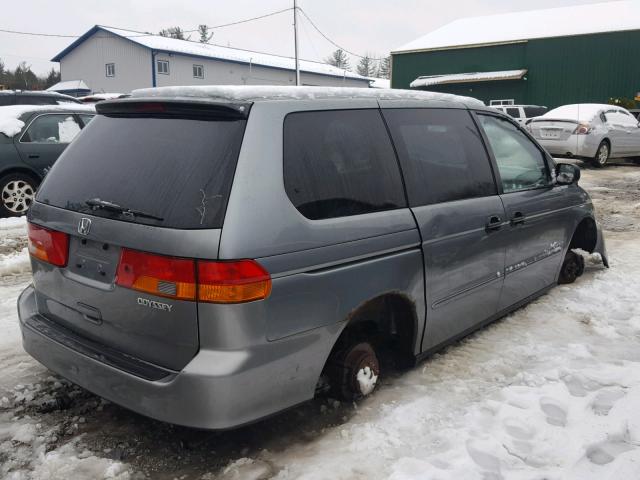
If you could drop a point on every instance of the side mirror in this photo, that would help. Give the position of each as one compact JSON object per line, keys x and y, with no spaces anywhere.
{"x":567,"y":174}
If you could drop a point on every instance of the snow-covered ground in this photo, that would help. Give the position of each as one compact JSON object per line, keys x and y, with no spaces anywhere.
{"x":550,"y":392}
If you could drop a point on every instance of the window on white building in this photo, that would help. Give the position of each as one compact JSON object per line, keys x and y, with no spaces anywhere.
{"x":198,"y":71}
{"x":110,"y":69}
{"x":163,"y":67}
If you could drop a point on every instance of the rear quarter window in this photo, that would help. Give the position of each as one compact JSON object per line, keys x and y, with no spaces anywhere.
{"x":340,"y":163}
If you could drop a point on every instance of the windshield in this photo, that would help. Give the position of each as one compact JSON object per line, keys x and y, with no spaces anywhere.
{"x":178,"y":171}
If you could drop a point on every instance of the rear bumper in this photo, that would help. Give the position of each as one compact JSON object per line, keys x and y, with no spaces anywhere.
{"x":575,"y":146}
{"x":216,"y":390}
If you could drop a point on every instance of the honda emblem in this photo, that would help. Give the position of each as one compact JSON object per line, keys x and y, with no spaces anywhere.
{"x":84,"y":226}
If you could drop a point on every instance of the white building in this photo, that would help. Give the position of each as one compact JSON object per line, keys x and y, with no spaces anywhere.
{"x":113,"y":60}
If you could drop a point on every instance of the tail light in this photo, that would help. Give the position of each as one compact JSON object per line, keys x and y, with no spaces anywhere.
{"x":157,"y":274}
{"x":582,"y":129}
{"x":232,"y":282}
{"x":48,"y":245}
{"x":216,"y":282}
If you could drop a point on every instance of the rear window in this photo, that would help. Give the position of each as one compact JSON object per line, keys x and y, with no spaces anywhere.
{"x":513,"y":112}
{"x":532,"y":111}
{"x":7,"y":100}
{"x":177,"y":169}
{"x":340,"y":163}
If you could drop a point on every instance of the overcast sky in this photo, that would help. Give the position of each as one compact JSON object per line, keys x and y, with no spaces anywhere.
{"x":375,"y":26}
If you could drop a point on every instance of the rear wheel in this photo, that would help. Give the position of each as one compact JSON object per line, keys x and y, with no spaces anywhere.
{"x":602,"y":155}
{"x":17,"y":191}
{"x":354,"y":371}
{"x":572,"y":268}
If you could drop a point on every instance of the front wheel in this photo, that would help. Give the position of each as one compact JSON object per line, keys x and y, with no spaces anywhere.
{"x":355,"y":371}
{"x":17,"y":191}
{"x":602,"y":155}
{"x":572,"y":268}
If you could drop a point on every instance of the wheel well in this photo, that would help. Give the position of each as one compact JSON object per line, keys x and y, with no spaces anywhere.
{"x":585,"y":235}
{"x":607,"y":141}
{"x":390,"y":323}
{"x":24,"y":170}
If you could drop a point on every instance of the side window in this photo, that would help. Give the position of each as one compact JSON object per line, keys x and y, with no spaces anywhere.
{"x":51,"y":129}
{"x":441,"y":154}
{"x":513,"y":112}
{"x":110,"y":69}
{"x":198,"y":71}
{"x":520,"y":162}
{"x":163,"y":67}
{"x":339,"y":163}
{"x":86,"y":118}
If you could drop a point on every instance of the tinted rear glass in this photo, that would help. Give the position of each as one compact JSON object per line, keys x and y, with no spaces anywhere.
{"x":340,"y":163}
{"x":7,"y":100}
{"x":442,"y":155}
{"x":530,"y":112}
{"x":178,"y":169}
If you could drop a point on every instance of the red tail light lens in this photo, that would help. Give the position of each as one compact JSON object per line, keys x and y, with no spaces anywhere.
{"x":232,"y":282}
{"x":217,"y":282}
{"x":48,"y":245}
{"x":582,"y":129}
{"x":157,"y":274}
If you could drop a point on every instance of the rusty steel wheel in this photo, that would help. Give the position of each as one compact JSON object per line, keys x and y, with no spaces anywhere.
{"x":355,"y":371}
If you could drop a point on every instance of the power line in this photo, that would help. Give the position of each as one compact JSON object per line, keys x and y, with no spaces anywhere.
{"x":331,"y":41}
{"x":147,"y":34}
{"x":39,"y":34}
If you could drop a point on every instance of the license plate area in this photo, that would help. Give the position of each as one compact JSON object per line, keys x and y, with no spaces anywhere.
{"x":97,"y":261}
{"x":549,"y":134}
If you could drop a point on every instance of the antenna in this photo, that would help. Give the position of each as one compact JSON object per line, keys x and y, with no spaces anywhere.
{"x":295,"y":40}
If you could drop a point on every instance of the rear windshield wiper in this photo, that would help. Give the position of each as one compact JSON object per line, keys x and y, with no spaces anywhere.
{"x":97,"y":204}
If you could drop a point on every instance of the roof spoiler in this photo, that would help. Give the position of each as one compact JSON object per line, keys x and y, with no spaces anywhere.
{"x":174,"y":107}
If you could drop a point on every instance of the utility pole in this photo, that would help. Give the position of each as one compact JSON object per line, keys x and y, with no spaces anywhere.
{"x":295,"y":40}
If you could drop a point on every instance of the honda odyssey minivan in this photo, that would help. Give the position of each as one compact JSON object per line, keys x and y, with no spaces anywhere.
{"x":208,"y":256}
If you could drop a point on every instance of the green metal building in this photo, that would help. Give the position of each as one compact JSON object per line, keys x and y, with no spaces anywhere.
{"x":579,"y":54}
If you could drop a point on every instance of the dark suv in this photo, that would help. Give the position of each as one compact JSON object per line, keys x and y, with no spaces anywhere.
{"x":25,"y":97}
{"x":209,"y":256}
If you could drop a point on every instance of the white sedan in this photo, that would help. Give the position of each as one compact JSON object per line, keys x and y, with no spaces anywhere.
{"x":590,"y":131}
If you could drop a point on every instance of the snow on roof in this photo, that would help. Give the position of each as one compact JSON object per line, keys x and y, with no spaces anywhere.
{"x":521,"y":26}
{"x":379,"y":83}
{"x":96,"y":97}
{"x":172,"y":45}
{"x":10,"y":123}
{"x":429,"y":80}
{"x":69,"y":85}
{"x":256,"y":93}
{"x":580,"y":111}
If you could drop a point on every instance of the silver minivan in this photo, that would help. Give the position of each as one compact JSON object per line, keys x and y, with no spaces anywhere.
{"x":209,"y":256}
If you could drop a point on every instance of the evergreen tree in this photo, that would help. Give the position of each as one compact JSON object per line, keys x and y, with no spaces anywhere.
{"x":338,"y":59}
{"x":52,"y":78}
{"x":205,"y":36}
{"x":366,"y":67}
{"x":384,"y":68}
{"x":173,"y":32}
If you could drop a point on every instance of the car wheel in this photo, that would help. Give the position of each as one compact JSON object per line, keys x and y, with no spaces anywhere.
{"x":355,"y":371}
{"x":602,"y":155}
{"x":17,"y":191}
{"x":572,"y":268}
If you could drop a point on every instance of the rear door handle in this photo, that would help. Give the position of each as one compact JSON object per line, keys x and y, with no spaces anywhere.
{"x":494,"y":222}
{"x":34,"y":155}
{"x":518,"y":218}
